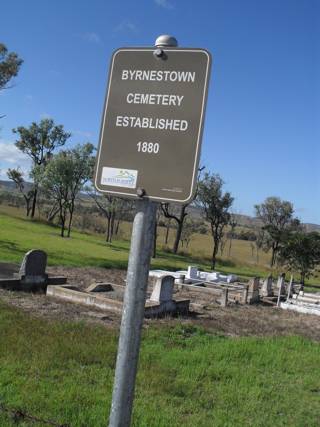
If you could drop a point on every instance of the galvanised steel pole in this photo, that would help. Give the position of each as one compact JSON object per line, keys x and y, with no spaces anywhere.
{"x":133,"y":314}
{"x":134,"y":299}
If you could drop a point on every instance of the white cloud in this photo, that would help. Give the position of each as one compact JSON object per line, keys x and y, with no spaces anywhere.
{"x":91,"y":37}
{"x":126,"y":26}
{"x":11,"y":157}
{"x":164,"y":3}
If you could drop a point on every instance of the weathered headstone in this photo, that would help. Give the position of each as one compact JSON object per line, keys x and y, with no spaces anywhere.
{"x":192,"y":272}
{"x":33,"y":268}
{"x":253,"y":290}
{"x":163,"y":289}
{"x":32,"y":274}
{"x":266,"y":289}
{"x":281,"y":283}
{"x":224,"y":297}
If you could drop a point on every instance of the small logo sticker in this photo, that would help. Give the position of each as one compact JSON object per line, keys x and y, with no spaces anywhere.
{"x":119,"y":177}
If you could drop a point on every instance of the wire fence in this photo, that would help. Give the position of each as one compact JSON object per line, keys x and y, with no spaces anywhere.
{"x":19,"y":415}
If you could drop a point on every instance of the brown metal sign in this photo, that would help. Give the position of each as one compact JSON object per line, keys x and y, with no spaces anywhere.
{"x":152,"y":124}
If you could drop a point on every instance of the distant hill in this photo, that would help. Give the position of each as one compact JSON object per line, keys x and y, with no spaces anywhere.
{"x":312,"y":227}
{"x":7,"y":186}
{"x":195,"y":212}
{"x":10,"y":186}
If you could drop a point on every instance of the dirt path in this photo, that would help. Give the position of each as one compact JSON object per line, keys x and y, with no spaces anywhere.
{"x":235,"y":320}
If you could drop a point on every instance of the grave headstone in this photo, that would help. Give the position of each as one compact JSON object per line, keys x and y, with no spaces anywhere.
{"x":266,"y":290}
{"x":224,"y":297}
{"x":33,"y":268}
{"x":253,"y":290}
{"x":163,"y":289}
{"x":281,"y":283}
{"x":192,"y":272}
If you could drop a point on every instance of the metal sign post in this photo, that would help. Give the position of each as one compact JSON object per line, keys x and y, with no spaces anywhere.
{"x":133,"y":313}
{"x":133,"y":307}
{"x":149,"y":150}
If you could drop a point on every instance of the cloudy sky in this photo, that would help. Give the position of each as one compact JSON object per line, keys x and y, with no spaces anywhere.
{"x":262,"y":123}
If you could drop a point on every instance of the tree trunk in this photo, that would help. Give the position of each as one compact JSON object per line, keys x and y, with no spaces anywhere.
{"x":70,"y":218}
{"x":113,"y":217}
{"x":179,"y":229}
{"x":34,"y":201}
{"x":28,"y":206}
{"x":213,"y":260}
{"x":154,"y":254}
{"x":117,"y":227}
{"x":63,"y":222}
{"x":230,"y":244}
{"x":167,"y":234}
{"x":52,"y":214}
{"x":214,"y":253}
{"x":273,"y":256}
{"x":177,"y":238}
{"x":108,"y":236}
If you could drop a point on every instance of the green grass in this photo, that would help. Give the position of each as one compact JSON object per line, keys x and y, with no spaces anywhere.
{"x":187,"y":377}
{"x":18,"y":235}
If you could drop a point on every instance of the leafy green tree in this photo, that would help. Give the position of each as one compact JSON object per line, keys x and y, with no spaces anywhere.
{"x":39,"y":142}
{"x":16,"y":176}
{"x":9,"y":66}
{"x":215,"y":204}
{"x":301,"y":253}
{"x":64,"y":177}
{"x":277,"y":218}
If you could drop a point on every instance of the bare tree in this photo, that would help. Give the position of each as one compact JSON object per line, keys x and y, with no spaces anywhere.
{"x":112,"y":208}
{"x":189,"y":229}
{"x":178,"y":214}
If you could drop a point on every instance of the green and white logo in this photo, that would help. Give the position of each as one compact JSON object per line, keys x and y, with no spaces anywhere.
{"x":119,"y":177}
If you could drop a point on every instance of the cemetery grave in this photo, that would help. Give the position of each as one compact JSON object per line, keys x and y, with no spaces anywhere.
{"x":32,"y":274}
{"x":184,"y":292}
{"x":107,"y":296}
{"x":234,"y":320}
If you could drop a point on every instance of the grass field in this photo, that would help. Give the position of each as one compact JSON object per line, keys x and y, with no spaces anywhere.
{"x":187,"y":377}
{"x":19,"y":235}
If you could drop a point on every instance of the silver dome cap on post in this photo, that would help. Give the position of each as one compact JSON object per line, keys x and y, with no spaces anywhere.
{"x":166,"y":41}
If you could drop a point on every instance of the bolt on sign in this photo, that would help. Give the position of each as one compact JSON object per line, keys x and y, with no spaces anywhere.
{"x":152,"y":124}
